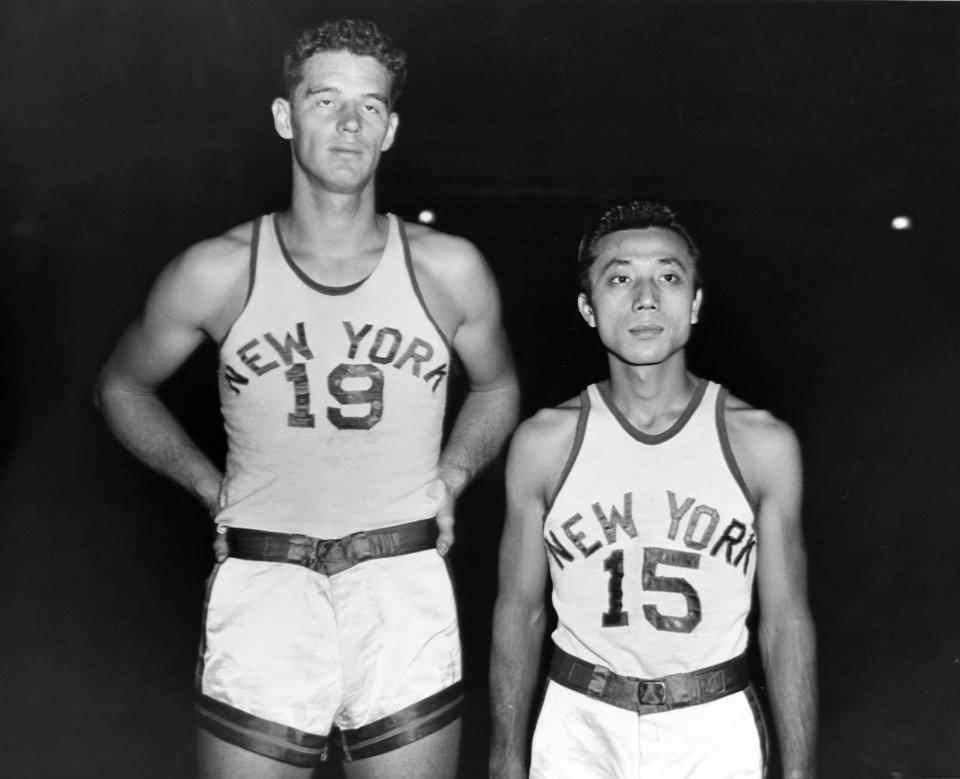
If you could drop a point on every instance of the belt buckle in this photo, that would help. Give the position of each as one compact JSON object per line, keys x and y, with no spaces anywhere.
{"x":330,"y":551}
{"x":338,"y":554}
{"x":358,"y":548}
{"x":652,"y":693}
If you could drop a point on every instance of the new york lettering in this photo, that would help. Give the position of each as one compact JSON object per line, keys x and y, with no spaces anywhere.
{"x":583,"y":535}
{"x":381,"y":346}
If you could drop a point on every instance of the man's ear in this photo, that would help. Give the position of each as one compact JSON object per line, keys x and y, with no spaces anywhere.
{"x":281,"y":118}
{"x":695,"y":308}
{"x":586,"y":310}
{"x":389,"y":138}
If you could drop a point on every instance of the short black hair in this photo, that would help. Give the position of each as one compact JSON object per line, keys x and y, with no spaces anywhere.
{"x":357,"y":36}
{"x":630,"y":215}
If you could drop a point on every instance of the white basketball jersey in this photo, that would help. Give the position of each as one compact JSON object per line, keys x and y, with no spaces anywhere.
{"x":651,"y":541}
{"x":332,"y":397}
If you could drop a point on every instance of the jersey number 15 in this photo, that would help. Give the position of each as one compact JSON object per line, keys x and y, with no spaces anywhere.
{"x":615,"y":616}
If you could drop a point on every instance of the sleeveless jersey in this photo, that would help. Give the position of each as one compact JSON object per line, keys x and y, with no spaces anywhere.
{"x":332,"y":397}
{"x":651,"y":541}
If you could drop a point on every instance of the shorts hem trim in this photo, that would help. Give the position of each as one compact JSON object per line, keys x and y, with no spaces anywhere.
{"x":255,"y":734}
{"x":408,"y":725}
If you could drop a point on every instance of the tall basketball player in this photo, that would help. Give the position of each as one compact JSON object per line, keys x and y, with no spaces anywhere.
{"x":654,"y":499}
{"x":335,"y":326}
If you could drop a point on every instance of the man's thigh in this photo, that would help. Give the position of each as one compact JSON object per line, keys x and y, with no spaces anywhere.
{"x":432,"y":757}
{"x":217,"y":759}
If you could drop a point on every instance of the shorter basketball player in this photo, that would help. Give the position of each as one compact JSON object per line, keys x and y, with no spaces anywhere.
{"x":654,"y":499}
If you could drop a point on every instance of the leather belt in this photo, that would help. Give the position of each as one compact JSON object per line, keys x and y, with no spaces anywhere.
{"x":647,"y":696}
{"x":330,"y":557}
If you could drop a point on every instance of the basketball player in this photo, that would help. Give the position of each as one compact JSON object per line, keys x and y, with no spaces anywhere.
{"x":335,"y":327}
{"x":653,"y":499}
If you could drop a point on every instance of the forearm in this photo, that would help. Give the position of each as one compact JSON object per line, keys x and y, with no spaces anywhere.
{"x":484,"y":423}
{"x":150,"y":432}
{"x":789,"y":658}
{"x":514,"y":666}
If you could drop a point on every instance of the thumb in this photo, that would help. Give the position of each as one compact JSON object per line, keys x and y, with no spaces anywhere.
{"x":445,"y":526}
{"x":220,"y":549}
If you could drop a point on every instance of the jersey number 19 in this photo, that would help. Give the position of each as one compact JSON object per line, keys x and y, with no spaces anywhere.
{"x":372,"y":396}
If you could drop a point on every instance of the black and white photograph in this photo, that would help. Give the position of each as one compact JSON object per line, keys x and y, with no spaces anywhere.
{"x":452,"y":389}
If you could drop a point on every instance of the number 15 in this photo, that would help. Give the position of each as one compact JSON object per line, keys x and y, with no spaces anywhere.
{"x":615,"y":616}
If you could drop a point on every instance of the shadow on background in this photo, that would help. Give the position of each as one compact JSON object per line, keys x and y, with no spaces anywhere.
{"x":789,"y":134}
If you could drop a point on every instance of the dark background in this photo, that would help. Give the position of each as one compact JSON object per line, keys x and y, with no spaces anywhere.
{"x":789,"y":135}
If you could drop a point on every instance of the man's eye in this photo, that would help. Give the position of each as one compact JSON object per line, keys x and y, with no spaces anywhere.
{"x":372,"y":108}
{"x":619,"y":279}
{"x":670,"y":278}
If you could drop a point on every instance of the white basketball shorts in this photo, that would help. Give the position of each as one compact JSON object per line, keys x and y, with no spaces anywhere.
{"x":579,"y":737}
{"x":288,"y":653}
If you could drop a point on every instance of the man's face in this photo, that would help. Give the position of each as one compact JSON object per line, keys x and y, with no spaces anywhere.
{"x":642,"y":298}
{"x":338,"y":119}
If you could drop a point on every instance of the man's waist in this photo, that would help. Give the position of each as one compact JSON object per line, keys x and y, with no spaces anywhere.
{"x":320,"y":514}
{"x":648,"y":696}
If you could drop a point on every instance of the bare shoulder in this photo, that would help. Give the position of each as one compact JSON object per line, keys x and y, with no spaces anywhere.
{"x":766,"y":448}
{"x":209,"y":262}
{"x":457,"y":285}
{"x":542,"y":444}
{"x":451,"y":266}
{"x":442,"y":253}
{"x":207,"y":282}
{"x":551,"y":425}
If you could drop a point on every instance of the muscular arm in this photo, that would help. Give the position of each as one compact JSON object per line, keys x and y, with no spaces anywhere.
{"x":786,"y":631}
{"x":489,"y":412}
{"x":519,"y":615}
{"x":182,"y":305}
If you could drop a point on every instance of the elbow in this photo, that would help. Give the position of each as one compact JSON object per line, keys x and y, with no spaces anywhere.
{"x":104,"y":391}
{"x":111,"y":393}
{"x":794,"y":629}
{"x":522,"y":614}
{"x":99,"y":393}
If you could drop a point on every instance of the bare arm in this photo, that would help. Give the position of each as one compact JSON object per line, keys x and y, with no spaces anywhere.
{"x":519,"y":615}
{"x":787,"y":635}
{"x":489,"y":412}
{"x":182,"y":305}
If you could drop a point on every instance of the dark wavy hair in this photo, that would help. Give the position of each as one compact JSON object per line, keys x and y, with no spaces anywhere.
{"x":630,"y":215}
{"x":358,"y":36}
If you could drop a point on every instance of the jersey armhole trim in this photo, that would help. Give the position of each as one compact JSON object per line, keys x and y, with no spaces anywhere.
{"x":574,"y":450}
{"x":408,"y":261}
{"x":728,"y":450}
{"x":254,"y":252}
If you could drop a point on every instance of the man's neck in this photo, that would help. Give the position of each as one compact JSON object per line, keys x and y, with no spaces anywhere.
{"x":651,"y":396}
{"x":332,"y":224}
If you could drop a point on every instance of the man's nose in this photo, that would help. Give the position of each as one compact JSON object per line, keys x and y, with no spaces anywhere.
{"x":645,"y":295}
{"x":349,"y":119}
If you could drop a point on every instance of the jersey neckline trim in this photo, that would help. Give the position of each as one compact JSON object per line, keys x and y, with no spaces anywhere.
{"x":654,"y":438}
{"x":326,"y":289}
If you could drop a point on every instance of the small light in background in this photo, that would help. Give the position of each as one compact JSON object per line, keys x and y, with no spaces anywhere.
{"x":427,"y":217}
{"x":901,"y":223}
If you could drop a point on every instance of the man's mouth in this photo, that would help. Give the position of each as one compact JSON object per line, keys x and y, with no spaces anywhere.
{"x":646,"y":331}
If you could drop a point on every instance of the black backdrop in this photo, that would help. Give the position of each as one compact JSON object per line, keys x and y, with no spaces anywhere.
{"x":789,"y":134}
